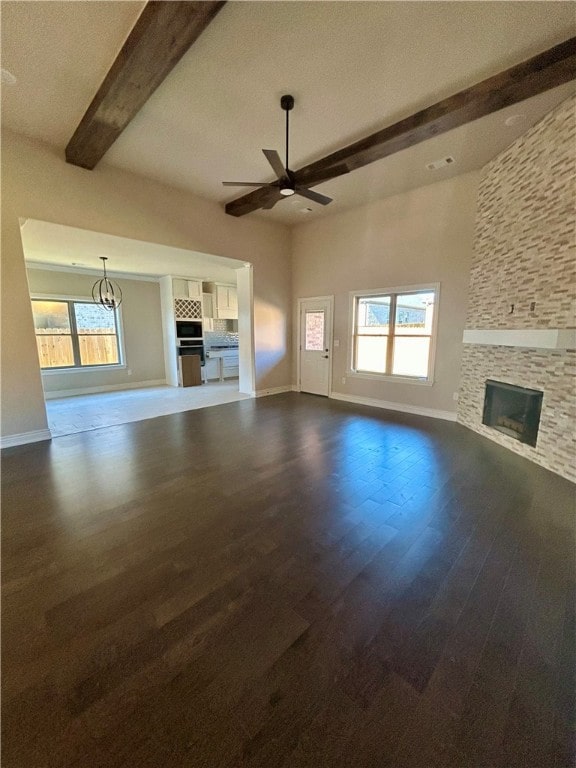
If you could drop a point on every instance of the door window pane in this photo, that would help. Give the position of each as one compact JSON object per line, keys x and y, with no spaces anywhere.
{"x":93,"y":318}
{"x":410,"y":356}
{"x":98,"y":350}
{"x":373,"y":315}
{"x":371,"y":353}
{"x":414,"y":313}
{"x":314,"y":332}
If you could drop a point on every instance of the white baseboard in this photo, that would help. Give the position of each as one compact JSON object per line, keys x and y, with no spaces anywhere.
{"x":272,"y":391}
{"x":104,"y":388}
{"x":25,"y":437}
{"x":391,"y":406}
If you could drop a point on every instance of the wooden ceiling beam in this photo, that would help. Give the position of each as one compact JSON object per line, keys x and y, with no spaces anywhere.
{"x":547,"y":70}
{"x":162,"y":34}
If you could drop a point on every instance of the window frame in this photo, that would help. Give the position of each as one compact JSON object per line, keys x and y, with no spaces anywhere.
{"x":69,"y":300}
{"x":394,"y":292}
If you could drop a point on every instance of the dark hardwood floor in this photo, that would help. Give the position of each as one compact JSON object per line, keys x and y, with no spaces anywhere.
{"x":286,"y":582}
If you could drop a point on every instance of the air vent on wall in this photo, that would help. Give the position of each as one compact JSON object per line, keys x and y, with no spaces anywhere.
{"x":440,"y":163}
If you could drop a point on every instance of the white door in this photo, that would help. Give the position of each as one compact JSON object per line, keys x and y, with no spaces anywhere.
{"x":315,"y":345}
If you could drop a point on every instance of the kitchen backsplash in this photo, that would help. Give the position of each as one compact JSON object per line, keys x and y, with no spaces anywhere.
{"x":220,"y":335}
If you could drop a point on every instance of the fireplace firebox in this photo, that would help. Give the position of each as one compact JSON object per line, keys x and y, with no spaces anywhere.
{"x":514,"y":411}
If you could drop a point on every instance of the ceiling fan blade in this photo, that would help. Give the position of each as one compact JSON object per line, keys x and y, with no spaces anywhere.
{"x":325,"y":175}
{"x":244,"y":184}
{"x":274,"y":159}
{"x":315,"y":196}
{"x":272,"y":202}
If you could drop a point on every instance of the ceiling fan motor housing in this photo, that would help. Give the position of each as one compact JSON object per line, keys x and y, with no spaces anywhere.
{"x":287,"y":102}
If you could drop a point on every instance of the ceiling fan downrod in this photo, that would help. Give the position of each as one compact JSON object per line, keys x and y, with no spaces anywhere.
{"x":287,"y":185}
{"x":287,"y":104}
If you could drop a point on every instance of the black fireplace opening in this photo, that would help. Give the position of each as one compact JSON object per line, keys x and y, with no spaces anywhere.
{"x":514,"y":411}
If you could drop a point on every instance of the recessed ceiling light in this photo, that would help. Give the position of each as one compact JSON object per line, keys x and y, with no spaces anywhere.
{"x":8,"y":78}
{"x":514,"y":120}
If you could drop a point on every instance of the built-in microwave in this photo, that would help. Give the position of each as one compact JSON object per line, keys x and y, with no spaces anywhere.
{"x":189,"y":329}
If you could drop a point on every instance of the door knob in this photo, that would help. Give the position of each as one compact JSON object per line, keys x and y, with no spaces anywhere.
{"x":326,"y":356}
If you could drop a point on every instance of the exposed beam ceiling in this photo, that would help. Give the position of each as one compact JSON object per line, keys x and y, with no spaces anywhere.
{"x":161,"y":36}
{"x":547,"y":70}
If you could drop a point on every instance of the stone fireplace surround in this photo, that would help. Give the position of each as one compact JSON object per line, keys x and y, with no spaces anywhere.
{"x":521,"y":316}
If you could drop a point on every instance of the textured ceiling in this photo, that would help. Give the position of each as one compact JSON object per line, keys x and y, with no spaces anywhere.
{"x":353,"y":67}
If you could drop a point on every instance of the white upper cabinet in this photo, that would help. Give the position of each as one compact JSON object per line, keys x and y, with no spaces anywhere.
{"x":187,"y":289}
{"x":208,"y":305}
{"x":225,"y":301}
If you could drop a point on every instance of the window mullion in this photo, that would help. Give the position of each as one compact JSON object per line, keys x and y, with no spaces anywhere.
{"x":74,"y":331}
{"x":391,"y":330}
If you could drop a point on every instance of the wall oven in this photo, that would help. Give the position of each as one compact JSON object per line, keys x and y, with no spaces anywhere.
{"x":191,"y":347}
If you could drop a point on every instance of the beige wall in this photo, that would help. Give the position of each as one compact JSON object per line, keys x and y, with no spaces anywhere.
{"x":423,"y":236}
{"x":525,"y":251}
{"x":37,"y":183}
{"x":141,"y":325}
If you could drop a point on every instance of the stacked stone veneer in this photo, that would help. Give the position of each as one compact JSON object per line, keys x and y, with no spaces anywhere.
{"x":525,"y":252}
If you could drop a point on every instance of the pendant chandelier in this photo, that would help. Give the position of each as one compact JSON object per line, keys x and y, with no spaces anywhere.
{"x":105,"y":291}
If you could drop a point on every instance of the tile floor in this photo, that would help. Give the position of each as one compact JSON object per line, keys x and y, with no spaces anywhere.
{"x":67,"y":415}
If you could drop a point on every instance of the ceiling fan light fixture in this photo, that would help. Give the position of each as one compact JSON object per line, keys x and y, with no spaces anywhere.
{"x":287,"y":191}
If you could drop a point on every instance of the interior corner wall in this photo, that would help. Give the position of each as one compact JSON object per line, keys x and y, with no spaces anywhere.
{"x":422,"y":236}
{"x":524,"y":254}
{"x":37,"y":183}
{"x":22,"y":396}
{"x":141,"y":332}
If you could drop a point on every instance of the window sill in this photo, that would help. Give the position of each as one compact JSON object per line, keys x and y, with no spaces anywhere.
{"x":86,"y":369}
{"x":392,"y":379}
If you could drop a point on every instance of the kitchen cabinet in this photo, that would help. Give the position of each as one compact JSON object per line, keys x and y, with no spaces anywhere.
{"x":207,"y":307}
{"x":187,"y":289}
{"x":230,"y":368}
{"x":224,"y":301}
{"x":211,"y":369}
{"x":224,"y":362}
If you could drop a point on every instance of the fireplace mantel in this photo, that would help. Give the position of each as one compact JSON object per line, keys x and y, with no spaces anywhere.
{"x":537,"y":338}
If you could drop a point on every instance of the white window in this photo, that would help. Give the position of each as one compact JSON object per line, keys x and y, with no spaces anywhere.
{"x":393,"y":333}
{"x":75,"y":334}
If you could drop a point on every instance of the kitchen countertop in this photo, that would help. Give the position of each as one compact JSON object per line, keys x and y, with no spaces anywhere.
{"x":222,"y":346}
{"x":222,"y":352}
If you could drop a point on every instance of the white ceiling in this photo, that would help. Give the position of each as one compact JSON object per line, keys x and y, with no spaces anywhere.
{"x":353,"y":67}
{"x":51,"y":245}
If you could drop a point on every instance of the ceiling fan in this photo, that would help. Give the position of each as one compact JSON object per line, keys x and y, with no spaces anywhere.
{"x":287,"y":181}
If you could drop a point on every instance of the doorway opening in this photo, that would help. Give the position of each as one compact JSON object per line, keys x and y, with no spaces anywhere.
{"x":180,"y":311}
